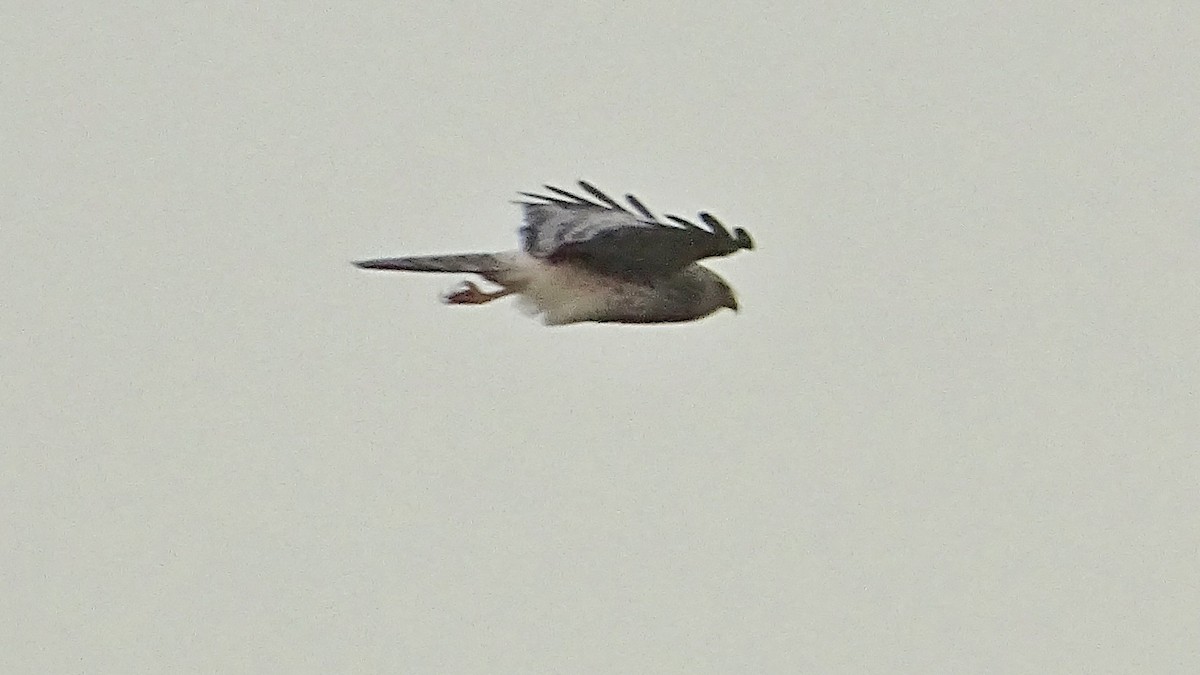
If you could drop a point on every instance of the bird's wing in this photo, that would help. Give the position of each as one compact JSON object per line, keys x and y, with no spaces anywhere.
{"x":606,"y":237}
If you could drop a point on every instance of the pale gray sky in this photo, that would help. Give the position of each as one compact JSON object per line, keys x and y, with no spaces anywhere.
{"x":954,"y":428}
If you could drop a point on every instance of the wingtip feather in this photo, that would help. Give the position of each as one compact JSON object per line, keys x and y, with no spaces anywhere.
{"x":743,"y":239}
{"x":605,"y":199}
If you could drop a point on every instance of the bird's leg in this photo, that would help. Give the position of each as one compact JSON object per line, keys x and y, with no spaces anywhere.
{"x":468,"y":293}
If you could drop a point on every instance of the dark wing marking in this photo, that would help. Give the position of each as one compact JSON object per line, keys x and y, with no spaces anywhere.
{"x":610,"y":239}
{"x":603,"y":198}
{"x":641,"y":208}
{"x":580,"y":201}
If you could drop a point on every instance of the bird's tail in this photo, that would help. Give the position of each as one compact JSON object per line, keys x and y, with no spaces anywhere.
{"x":479,"y":263}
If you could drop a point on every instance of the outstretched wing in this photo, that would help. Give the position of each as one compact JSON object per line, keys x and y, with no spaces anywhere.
{"x":609,"y":238}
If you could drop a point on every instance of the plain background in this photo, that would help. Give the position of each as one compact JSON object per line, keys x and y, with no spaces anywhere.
{"x":953,"y":429}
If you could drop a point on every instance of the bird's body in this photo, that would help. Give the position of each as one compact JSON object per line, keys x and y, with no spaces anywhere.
{"x":587,"y":261}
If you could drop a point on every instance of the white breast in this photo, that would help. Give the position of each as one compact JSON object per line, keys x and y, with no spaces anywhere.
{"x":563,"y":293}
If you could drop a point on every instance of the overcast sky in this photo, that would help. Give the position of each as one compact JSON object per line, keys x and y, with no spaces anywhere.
{"x":953,"y":429}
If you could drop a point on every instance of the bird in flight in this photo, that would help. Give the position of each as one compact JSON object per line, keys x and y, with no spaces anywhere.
{"x":592,"y":259}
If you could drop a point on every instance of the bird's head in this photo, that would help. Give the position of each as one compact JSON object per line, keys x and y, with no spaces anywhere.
{"x":726,"y":295}
{"x":711,"y":291}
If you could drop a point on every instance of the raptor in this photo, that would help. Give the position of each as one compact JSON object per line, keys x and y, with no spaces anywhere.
{"x":590,"y":258}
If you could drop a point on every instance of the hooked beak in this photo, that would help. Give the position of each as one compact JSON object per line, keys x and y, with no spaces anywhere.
{"x":732,"y":304}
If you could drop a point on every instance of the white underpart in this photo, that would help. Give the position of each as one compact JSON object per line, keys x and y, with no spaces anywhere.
{"x":560,"y":293}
